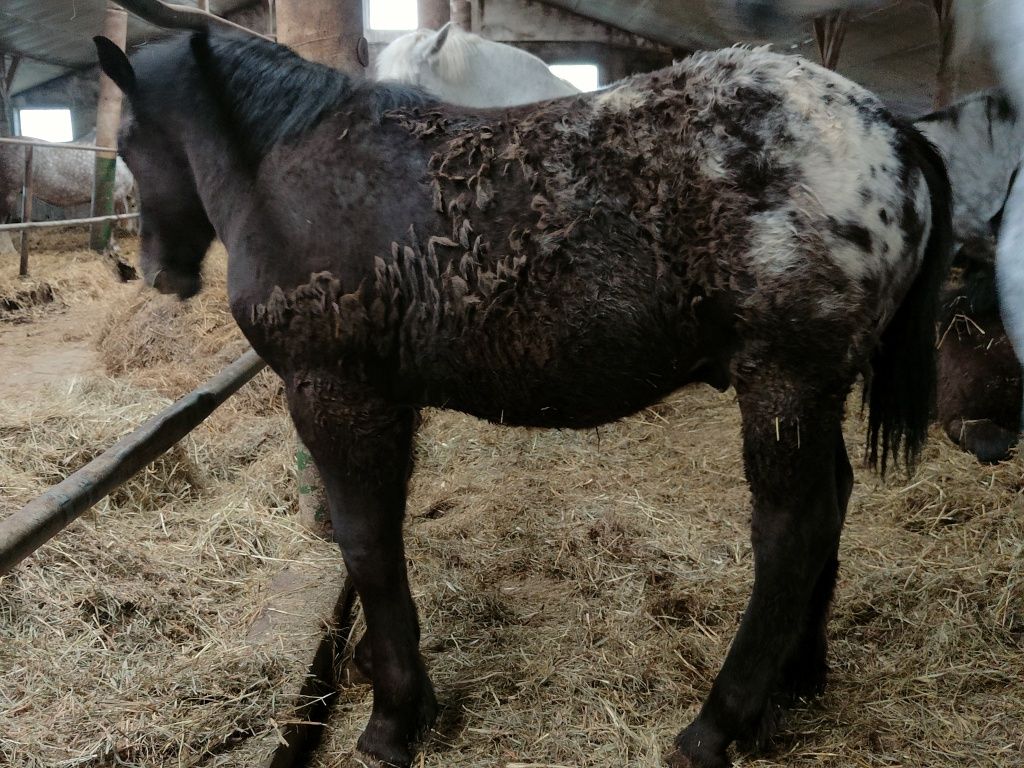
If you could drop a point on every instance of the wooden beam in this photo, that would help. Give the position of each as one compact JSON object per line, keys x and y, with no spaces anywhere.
{"x":433,"y":14}
{"x":171,"y":16}
{"x":326,"y":31}
{"x":829,"y":33}
{"x":946,"y":74}
{"x":19,"y":226}
{"x":462,"y":14}
{"x":23,"y":532}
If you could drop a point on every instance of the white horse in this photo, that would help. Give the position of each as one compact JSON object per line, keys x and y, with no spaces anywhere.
{"x":1000,"y":25}
{"x":465,"y":69}
{"x":981,"y":139}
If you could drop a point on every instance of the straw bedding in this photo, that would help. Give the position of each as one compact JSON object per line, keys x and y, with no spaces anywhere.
{"x":578,"y":590}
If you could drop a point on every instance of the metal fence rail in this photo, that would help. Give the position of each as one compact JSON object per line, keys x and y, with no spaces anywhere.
{"x":24,"y":531}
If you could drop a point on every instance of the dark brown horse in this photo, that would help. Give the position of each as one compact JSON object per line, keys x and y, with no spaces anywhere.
{"x":741,"y":218}
{"x":979,"y":388}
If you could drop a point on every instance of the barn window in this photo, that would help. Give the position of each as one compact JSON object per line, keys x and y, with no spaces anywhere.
{"x":392,"y":14}
{"x":46,"y":124}
{"x":583,"y":76}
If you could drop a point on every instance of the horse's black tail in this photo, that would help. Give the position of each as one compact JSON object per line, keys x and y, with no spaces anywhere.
{"x":901,"y":391}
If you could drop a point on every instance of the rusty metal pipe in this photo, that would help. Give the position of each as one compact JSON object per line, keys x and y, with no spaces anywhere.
{"x":23,"y":532}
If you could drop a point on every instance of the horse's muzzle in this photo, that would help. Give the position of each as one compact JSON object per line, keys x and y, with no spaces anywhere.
{"x":184,"y":286}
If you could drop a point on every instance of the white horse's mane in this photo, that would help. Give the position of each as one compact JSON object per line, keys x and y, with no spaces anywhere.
{"x":396,"y":61}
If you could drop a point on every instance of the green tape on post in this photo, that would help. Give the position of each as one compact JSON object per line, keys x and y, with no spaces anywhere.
{"x":313,"y":510}
{"x":103,"y":201}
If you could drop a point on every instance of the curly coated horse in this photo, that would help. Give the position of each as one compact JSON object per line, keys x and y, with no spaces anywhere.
{"x":741,"y":218}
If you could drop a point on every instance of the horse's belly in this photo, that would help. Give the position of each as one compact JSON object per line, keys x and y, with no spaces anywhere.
{"x":580,"y":383}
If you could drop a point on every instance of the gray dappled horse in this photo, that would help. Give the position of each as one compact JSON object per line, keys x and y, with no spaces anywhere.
{"x":741,"y":218}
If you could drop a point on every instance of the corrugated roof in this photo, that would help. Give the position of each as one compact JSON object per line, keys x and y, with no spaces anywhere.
{"x":56,"y":35}
{"x":892,"y":50}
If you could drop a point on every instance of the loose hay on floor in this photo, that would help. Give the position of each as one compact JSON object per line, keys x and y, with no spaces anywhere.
{"x":578,"y":592}
{"x":172,"y":346}
{"x":63,"y":271}
{"x":122,"y":641}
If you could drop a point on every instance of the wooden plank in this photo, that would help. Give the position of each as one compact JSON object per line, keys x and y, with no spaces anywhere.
{"x":24,"y":531}
{"x":309,"y":612}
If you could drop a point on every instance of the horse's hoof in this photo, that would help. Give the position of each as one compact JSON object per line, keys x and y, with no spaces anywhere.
{"x":362,"y":760}
{"x":679,"y":760}
{"x":698,"y":747}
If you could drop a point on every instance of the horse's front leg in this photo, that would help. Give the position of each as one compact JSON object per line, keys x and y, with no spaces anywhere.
{"x":362,"y":448}
{"x":789,"y":444}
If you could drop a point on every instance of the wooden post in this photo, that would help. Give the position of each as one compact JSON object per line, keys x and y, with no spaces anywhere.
{"x":108,"y":120}
{"x":433,"y":14}
{"x":829,"y":32}
{"x":946,"y":75}
{"x":326,"y":31}
{"x":26,"y":212}
{"x":8,"y":69}
{"x":462,"y":14}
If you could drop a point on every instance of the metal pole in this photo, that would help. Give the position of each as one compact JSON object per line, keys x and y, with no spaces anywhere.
{"x":433,"y":14}
{"x":108,"y":119}
{"x":26,"y":212}
{"x":23,"y":532}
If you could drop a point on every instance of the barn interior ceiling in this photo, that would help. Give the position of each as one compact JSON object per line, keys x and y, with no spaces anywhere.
{"x":892,"y":50}
{"x":55,"y":36}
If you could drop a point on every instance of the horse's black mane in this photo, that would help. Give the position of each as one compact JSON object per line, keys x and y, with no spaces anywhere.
{"x":266,"y":92}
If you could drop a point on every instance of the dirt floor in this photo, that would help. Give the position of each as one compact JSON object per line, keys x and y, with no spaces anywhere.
{"x":578,"y":590}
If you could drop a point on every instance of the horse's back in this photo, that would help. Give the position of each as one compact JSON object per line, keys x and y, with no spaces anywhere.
{"x":624,"y":242}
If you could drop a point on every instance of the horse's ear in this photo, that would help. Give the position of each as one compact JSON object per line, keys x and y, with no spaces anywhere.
{"x":115,"y":64}
{"x":439,"y":39}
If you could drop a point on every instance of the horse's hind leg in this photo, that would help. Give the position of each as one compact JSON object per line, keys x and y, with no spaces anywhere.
{"x":362,"y":448}
{"x":789,"y":446}
{"x":804,"y":673}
